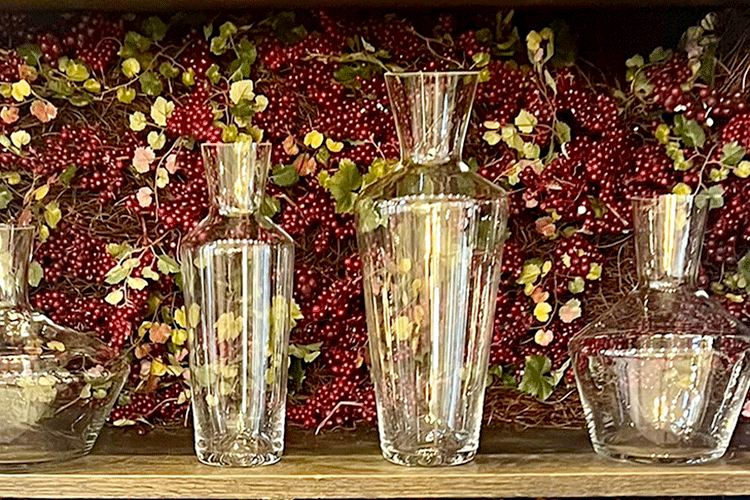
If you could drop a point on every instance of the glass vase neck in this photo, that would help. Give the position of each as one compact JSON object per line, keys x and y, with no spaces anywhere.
{"x":432,"y":112}
{"x":668,"y":239}
{"x":237,"y":174}
{"x":15,"y":256}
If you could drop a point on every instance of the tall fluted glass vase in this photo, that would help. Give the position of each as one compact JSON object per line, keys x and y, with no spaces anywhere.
{"x":664,"y":373}
{"x":430,"y":236}
{"x":237,"y":268}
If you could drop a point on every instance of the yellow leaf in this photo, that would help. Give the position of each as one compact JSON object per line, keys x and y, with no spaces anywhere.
{"x":20,"y":90}
{"x":20,"y":138}
{"x":542,"y":311}
{"x":114,"y":298}
{"x":179,"y":317}
{"x":334,"y":146}
{"x":314,"y":139}
{"x":157,"y":368}
{"x":41,"y":192}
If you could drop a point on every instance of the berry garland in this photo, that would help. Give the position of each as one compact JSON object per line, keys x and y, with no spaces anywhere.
{"x":101,"y":115}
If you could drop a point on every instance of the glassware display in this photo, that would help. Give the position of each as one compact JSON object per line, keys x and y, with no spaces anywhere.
{"x":430,"y":235}
{"x":663,"y":374}
{"x":57,"y":386}
{"x":237,"y":268}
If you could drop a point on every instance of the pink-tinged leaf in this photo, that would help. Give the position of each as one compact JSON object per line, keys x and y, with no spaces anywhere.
{"x":142,"y":159}
{"x":571,"y":311}
{"x":545,"y":226}
{"x":290,"y":147}
{"x":543,"y":337}
{"x":746,"y":409}
{"x":171,"y":164}
{"x":9,"y":114}
{"x":539,"y":295}
{"x":160,"y":333}
{"x":144,"y":196}
{"x":43,"y":111}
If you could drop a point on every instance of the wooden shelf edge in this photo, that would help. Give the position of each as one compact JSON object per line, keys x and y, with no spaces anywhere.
{"x":368,"y":476}
{"x":535,"y":463}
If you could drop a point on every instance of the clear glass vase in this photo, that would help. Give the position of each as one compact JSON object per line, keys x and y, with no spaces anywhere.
{"x":430,"y":235}
{"x":57,"y":385}
{"x":237,"y":268}
{"x":663,"y":374}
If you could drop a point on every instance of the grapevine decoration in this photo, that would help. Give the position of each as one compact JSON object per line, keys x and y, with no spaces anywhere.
{"x":101,"y":117}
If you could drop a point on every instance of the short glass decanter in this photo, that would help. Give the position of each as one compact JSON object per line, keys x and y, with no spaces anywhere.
{"x":430,"y":236}
{"x":57,"y":385}
{"x":664,"y":373}
{"x":237,"y":268}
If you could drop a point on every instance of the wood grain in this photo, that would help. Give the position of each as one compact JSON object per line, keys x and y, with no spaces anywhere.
{"x":530,"y":464}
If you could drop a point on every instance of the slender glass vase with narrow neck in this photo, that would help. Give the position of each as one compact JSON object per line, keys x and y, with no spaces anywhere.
{"x":57,"y":385}
{"x":663,"y":374}
{"x":430,"y":236}
{"x":237,"y":268}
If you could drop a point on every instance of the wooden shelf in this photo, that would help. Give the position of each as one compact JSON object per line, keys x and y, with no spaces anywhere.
{"x":533,"y":463}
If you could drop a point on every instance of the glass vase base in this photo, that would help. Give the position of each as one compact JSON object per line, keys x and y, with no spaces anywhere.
{"x":20,"y":457}
{"x":236,"y":459}
{"x":428,"y":457}
{"x":657,"y":455}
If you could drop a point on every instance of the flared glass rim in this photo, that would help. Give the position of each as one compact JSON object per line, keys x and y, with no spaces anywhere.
{"x":264,"y":144}
{"x":432,"y":73}
{"x":681,"y":197}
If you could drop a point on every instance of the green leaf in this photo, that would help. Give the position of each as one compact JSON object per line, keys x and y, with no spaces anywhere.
{"x":117,"y":274}
{"x":52,"y":214}
{"x":659,"y":55}
{"x":562,"y":132}
{"x":537,"y":380}
{"x":343,"y":184}
{"x":213,"y":74}
{"x":270,"y":206}
{"x":708,"y":64}
{"x":167,"y":70}
{"x":285,"y":175}
{"x":31,"y":53}
{"x":208,"y":30}
{"x":713,"y":196}
{"x":154,"y":28}
{"x":247,"y":51}
{"x":732,"y":153}
{"x":36,"y":273}
{"x":151,"y":84}
{"x":219,"y":45}
{"x":136,"y":42}
{"x":68,"y":175}
{"x":77,"y":71}
{"x":481,"y":59}
{"x":5,"y":197}
{"x":227,"y":29}
{"x":743,"y":267}
{"x":167,"y":265}
{"x":80,"y":100}
{"x":690,"y":131}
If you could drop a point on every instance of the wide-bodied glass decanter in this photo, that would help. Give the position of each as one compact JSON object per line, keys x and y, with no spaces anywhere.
{"x":663,"y":374}
{"x":237,"y":268}
{"x":57,"y":385}
{"x":430,"y":235}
